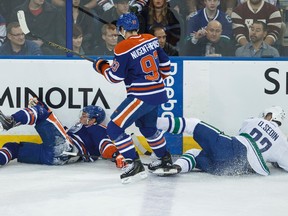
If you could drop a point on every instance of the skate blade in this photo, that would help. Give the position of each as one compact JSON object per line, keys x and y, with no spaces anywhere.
{"x":132,"y":179}
{"x":165,"y":172}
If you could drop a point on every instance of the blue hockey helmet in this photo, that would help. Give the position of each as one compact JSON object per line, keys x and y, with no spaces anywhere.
{"x":96,"y":112}
{"x":128,"y":22}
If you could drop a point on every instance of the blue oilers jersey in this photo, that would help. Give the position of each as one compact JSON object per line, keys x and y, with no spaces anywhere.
{"x":89,"y":139}
{"x":200,"y":20}
{"x":141,"y":63}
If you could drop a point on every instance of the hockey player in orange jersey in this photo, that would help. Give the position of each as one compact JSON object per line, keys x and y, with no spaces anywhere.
{"x":140,"y":63}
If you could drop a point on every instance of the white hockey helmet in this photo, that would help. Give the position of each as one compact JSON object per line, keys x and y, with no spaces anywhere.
{"x":277,"y":112}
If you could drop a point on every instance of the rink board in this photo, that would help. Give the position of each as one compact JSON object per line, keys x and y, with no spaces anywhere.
{"x":222,"y":93}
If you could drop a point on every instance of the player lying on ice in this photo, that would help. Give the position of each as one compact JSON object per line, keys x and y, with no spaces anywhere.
{"x":88,"y":138}
{"x":259,"y":141}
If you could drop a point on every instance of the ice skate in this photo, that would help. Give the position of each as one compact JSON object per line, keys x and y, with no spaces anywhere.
{"x":6,"y":122}
{"x":134,"y":171}
{"x":163,"y":166}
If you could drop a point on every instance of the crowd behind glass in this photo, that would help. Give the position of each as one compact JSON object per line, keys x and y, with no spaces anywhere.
{"x":241,"y":28}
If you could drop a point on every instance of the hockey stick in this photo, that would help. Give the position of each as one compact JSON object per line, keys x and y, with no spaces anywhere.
{"x":26,"y":31}
{"x":95,"y":157}
{"x":74,"y":154}
{"x":90,"y":14}
{"x":94,"y":17}
{"x":139,"y":145}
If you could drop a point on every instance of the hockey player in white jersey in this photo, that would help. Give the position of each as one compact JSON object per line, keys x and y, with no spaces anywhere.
{"x":259,"y":141}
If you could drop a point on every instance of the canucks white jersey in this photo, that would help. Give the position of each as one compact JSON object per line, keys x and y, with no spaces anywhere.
{"x":270,"y":140}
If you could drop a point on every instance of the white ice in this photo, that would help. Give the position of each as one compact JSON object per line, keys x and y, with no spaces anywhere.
{"x":95,"y":189}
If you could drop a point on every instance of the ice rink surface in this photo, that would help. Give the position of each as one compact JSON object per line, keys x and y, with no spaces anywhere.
{"x":95,"y":189}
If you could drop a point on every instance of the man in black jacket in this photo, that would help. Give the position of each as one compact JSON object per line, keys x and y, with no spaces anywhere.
{"x":41,"y":17}
{"x":208,"y":42}
{"x":160,"y":33}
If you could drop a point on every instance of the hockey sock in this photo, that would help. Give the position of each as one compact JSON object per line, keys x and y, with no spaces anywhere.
{"x":178,"y":125}
{"x":8,"y":152}
{"x":158,"y":144}
{"x":125,"y":146}
{"x":187,"y":161}
{"x":172,"y":125}
{"x":5,"y":156}
{"x":30,"y":116}
{"x":27,"y":116}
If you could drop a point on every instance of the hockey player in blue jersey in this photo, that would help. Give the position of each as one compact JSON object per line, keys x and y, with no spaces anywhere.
{"x":141,"y":63}
{"x":86,"y":141}
{"x":259,"y":141}
{"x":199,"y":21}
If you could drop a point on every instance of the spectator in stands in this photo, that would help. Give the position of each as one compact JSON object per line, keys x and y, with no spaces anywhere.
{"x":94,"y":5}
{"x":210,"y":42}
{"x":87,"y":23}
{"x":41,"y":17}
{"x":187,"y":8}
{"x":159,"y":14}
{"x":16,"y":44}
{"x":99,"y":6}
{"x":110,"y":39}
{"x":280,"y":43}
{"x":122,"y":7}
{"x":257,"y":47}
{"x":77,"y":39}
{"x":203,"y":16}
{"x":58,"y":3}
{"x":160,"y":33}
{"x":7,"y":7}
{"x":273,"y":2}
{"x":184,"y":8}
{"x":224,"y":5}
{"x":244,"y":15}
{"x":2,"y":30}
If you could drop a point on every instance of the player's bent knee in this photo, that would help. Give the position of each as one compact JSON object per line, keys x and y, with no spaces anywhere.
{"x":114,"y":131}
{"x":148,"y":132}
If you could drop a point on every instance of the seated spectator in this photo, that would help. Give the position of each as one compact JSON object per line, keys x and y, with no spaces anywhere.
{"x":159,"y":14}
{"x":244,"y":15}
{"x":122,"y":7}
{"x":203,"y":16}
{"x":184,"y":8}
{"x":7,"y":7}
{"x":224,"y":5}
{"x":160,"y":33}
{"x":77,"y":39}
{"x":210,"y":42}
{"x":94,"y":5}
{"x":273,"y":2}
{"x":98,"y":5}
{"x":16,"y":44}
{"x":58,"y":3}
{"x":2,"y":30}
{"x":41,"y":17}
{"x":279,"y":44}
{"x":110,"y":40}
{"x":87,"y":24}
{"x":257,"y":47}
